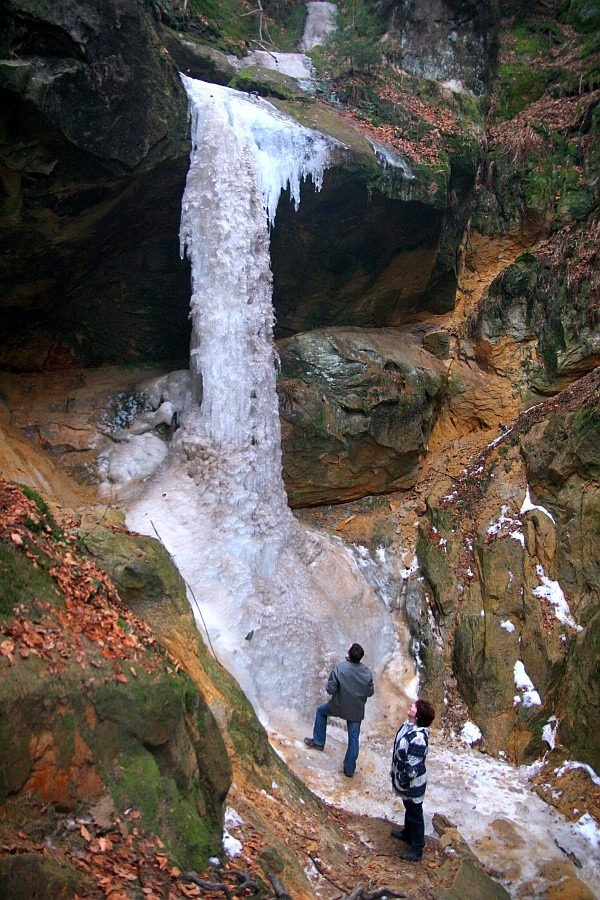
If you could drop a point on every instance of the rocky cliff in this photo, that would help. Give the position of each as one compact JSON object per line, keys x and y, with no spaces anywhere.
{"x":439,"y":357}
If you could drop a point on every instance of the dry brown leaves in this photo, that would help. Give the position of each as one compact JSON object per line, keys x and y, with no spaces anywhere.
{"x":560,"y":115}
{"x":425,"y":151}
{"x":436,"y":120}
{"x":121,"y":862}
{"x":578,"y":248}
{"x":92,"y":611}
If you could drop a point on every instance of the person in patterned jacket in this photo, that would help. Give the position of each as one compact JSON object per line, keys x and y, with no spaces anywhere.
{"x":409,"y":776}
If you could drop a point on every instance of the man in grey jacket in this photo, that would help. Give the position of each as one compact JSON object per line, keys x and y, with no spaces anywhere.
{"x":349,"y":685}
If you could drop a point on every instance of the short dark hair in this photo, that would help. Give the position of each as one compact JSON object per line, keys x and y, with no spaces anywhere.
{"x":425,"y":713}
{"x":355,"y":653}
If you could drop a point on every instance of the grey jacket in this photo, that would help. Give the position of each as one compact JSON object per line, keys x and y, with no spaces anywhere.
{"x":349,"y":685}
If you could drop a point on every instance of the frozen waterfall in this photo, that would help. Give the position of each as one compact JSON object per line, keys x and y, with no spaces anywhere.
{"x":244,"y":154}
{"x":281,"y":603}
{"x":320,"y":23}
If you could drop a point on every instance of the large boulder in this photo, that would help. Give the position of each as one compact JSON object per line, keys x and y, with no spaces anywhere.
{"x":357,"y":407}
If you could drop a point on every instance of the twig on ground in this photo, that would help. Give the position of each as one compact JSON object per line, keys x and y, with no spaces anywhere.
{"x":321,"y":870}
{"x":279,"y":889}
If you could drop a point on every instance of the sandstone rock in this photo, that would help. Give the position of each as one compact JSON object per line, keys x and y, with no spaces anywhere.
{"x":437,"y":343}
{"x":472,"y":882}
{"x":357,"y":408}
{"x":492,"y":570}
{"x":86,"y":720}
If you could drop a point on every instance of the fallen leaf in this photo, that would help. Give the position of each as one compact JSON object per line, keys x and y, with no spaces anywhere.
{"x":7,"y":647}
{"x":17,"y":539}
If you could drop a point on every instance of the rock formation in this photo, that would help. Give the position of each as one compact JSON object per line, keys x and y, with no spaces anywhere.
{"x":437,"y":319}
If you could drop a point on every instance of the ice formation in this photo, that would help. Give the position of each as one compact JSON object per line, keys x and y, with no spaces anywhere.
{"x":281,"y":604}
{"x":320,"y":23}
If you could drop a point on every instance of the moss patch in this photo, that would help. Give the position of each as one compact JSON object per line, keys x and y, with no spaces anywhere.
{"x":21,"y":580}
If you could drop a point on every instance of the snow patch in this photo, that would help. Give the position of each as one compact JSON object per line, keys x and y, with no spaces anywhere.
{"x":528,"y":505}
{"x":529,"y":695}
{"x":470,"y":733}
{"x":549,"y":731}
{"x":552,"y":592}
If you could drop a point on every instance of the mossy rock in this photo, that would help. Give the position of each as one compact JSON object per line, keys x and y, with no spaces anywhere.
{"x":580,"y":719}
{"x":21,"y":579}
{"x":130,"y":726}
{"x":472,"y":882}
{"x":141,"y":568}
{"x":199,"y":60}
{"x":267,"y":83}
{"x":150,"y":584}
{"x":437,"y":563}
{"x":28,"y":875}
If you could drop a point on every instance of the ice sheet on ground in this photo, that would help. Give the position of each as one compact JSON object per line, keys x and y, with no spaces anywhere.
{"x":473,"y":790}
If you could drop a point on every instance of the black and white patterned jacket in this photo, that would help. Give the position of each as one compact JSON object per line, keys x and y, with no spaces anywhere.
{"x":408,"y":772}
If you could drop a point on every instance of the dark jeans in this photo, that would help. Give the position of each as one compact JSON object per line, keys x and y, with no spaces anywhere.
{"x":320,"y":735}
{"x":414,"y":825}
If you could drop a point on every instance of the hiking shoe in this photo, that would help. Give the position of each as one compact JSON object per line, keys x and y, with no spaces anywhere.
{"x":412,"y":856}
{"x":310,"y":743}
{"x":349,"y":774}
{"x":399,"y":834}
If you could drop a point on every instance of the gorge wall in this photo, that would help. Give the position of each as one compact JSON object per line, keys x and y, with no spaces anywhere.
{"x":437,"y":316}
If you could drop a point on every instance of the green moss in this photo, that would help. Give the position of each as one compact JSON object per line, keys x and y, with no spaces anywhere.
{"x":187,"y":835}
{"x":265,"y":82}
{"x":195,"y":839}
{"x":21,"y":580}
{"x":574,"y":206}
{"x":539,"y":185}
{"x":248,"y":736}
{"x":436,"y":565}
{"x":138,"y":784}
{"x":533,"y":37}
{"x":584,"y":435}
{"x":147,"y":707}
{"x":583,"y":15}
{"x":47,"y":520}
{"x":519,"y":84}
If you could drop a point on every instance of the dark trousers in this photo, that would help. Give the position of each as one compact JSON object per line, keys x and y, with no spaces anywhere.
{"x":320,"y":736}
{"x":414,"y":825}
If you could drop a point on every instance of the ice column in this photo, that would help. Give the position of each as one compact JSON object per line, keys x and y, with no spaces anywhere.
{"x":244,"y":154}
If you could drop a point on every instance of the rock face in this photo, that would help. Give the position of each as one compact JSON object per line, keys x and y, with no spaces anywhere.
{"x":500,"y":570}
{"x":544,"y":305}
{"x":90,"y":721}
{"x":357,"y":407}
{"x":442,"y":41}
{"x":93,"y":164}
